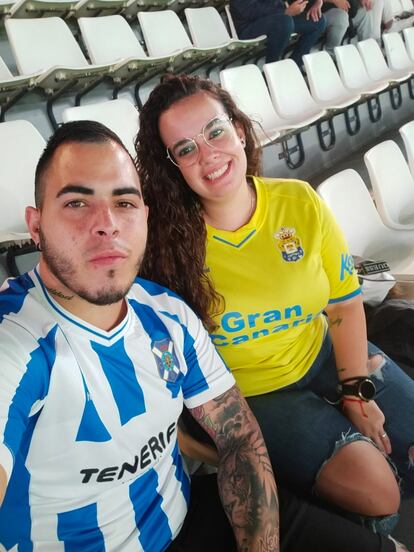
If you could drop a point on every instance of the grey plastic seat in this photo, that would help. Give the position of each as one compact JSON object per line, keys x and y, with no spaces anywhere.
{"x":12,"y":88}
{"x":165,"y":35}
{"x":42,"y":8}
{"x":397,"y":55}
{"x":121,"y":116}
{"x":407,"y":134}
{"x":392,"y":183}
{"x":47,"y":46}
{"x":348,"y":198}
{"x":129,"y":62}
{"x":207,"y":30}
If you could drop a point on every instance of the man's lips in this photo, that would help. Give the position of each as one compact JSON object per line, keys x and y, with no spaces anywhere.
{"x":108,"y":257}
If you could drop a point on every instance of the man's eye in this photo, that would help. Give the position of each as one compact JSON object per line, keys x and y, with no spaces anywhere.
{"x":75,"y":203}
{"x":126,"y":204}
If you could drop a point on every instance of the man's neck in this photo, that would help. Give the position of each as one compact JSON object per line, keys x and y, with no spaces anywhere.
{"x":104,"y":317}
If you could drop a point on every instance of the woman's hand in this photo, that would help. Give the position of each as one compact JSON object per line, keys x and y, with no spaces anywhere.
{"x":369,"y":419}
{"x":296,"y":7}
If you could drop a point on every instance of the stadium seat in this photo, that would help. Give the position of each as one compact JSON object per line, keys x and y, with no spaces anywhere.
{"x":409,"y":42}
{"x":392,"y":184}
{"x":349,"y":199}
{"x":42,"y":8}
{"x":121,"y":116}
{"x":290,"y":95}
{"x":353,"y":72}
{"x":407,"y":133}
{"x":397,"y":56}
{"x":5,"y":7}
{"x":20,"y":148}
{"x":134,"y":6}
{"x":247,"y":86}
{"x":207,"y":30}
{"x":47,"y":45}
{"x":129,"y":61}
{"x":376,"y":65}
{"x":98,"y":8}
{"x":12,"y":88}
{"x":326,"y":86}
{"x":165,"y":35}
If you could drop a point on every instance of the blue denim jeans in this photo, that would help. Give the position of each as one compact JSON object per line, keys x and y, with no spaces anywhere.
{"x":278,"y":27}
{"x":302,"y":430}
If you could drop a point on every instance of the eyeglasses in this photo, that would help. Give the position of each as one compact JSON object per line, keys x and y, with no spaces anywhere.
{"x":219,"y":133}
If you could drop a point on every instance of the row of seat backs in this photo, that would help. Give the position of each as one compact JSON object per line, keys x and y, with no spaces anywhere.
{"x":372,"y":231}
{"x":280,"y":100}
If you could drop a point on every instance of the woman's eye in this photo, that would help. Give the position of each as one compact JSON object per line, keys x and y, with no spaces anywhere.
{"x":186,"y":150}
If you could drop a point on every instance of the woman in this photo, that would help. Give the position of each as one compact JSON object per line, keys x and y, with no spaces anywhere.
{"x":259,"y":260}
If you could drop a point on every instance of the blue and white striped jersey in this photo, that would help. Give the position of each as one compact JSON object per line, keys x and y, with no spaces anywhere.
{"x":88,"y":419}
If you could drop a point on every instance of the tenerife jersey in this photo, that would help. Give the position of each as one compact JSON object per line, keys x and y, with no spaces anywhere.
{"x":88,"y":419}
{"x":277,"y":274}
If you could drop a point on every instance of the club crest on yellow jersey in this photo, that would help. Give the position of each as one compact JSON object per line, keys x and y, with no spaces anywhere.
{"x":288,"y":244}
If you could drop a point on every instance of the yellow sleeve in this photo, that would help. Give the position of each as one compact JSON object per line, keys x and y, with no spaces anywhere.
{"x":336,"y":258}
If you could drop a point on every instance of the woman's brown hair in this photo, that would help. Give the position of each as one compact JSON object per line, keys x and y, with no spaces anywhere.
{"x":176,"y":249}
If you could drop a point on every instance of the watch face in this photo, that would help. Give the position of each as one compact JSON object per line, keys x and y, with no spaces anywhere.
{"x":366,"y":390}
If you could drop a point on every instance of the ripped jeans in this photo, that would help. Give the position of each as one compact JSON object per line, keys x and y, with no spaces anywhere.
{"x":302,"y":430}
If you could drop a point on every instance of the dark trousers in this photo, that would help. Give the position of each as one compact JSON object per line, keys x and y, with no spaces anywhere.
{"x":278,"y":27}
{"x":304,"y":527}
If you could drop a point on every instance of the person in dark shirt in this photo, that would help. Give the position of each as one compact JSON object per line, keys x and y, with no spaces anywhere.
{"x":278,"y":21}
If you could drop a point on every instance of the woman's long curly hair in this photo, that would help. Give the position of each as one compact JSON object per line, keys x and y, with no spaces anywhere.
{"x":176,"y":249}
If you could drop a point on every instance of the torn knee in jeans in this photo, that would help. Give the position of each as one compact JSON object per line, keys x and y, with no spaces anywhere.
{"x":375,"y":364}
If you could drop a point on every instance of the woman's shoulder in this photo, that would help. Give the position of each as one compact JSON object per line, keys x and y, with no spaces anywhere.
{"x":287,"y":187}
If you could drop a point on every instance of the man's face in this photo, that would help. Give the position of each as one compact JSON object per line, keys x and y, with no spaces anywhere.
{"x":92,"y":226}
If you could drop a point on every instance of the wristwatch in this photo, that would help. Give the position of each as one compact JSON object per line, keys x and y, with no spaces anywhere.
{"x":359,"y":386}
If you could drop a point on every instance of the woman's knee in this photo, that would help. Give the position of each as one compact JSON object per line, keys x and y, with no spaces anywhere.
{"x":359,"y":478}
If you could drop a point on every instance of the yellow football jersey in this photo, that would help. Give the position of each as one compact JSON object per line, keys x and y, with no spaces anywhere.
{"x":277,"y":274}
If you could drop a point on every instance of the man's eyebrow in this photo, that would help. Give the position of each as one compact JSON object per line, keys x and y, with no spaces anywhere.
{"x":79,"y":189}
{"x":75,"y":189}
{"x":127,"y":190}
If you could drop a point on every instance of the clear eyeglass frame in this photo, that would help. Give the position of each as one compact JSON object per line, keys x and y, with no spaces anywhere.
{"x":215,"y":142}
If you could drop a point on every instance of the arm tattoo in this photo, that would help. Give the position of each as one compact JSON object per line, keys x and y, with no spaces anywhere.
{"x":336,"y":322}
{"x":245,"y":477}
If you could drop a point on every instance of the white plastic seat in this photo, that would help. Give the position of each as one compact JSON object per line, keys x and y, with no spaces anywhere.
{"x":47,"y":45}
{"x":326,"y":86}
{"x":376,"y":65}
{"x":165,"y":35}
{"x":407,"y":6}
{"x":248,"y":88}
{"x":134,"y":6}
{"x":353,"y":72}
{"x":367,"y":236}
{"x":392,"y":184}
{"x":95,"y":8}
{"x":121,"y":116}
{"x":123,"y":50}
{"x":290,"y":95}
{"x":42,"y":8}
{"x":409,"y":42}
{"x":20,"y":148}
{"x":397,"y":56}
{"x":5,"y":7}
{"x":207,"y":30}
{"x":407,"y":133}
{"x":12,"y":87}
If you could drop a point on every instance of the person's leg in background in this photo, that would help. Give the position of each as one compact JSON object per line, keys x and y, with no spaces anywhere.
{"x":367,"y":21}
{"x":337,"y":23}
{"x":309,"y":33}
{"x":278,"y":27}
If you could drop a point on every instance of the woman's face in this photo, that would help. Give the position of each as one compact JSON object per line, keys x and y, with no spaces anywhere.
{"x":220,"y":166}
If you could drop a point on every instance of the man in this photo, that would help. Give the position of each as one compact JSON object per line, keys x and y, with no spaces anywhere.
{"x":94,"y":369}
{"x":278,"y":20}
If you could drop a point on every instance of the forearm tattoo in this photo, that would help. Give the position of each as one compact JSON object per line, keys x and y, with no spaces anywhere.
{"x":245,"y":477}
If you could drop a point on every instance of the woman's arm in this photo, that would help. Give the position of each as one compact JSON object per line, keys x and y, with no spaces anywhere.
{"x":195,"y":449}
{"x":347,"y":327}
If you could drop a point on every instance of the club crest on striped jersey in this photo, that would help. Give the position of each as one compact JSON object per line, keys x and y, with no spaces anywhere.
{"x":167,"y":362}
{"x":289,"y":244}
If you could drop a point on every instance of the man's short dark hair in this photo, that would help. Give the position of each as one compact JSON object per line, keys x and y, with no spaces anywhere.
{"x":85,"y":132}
